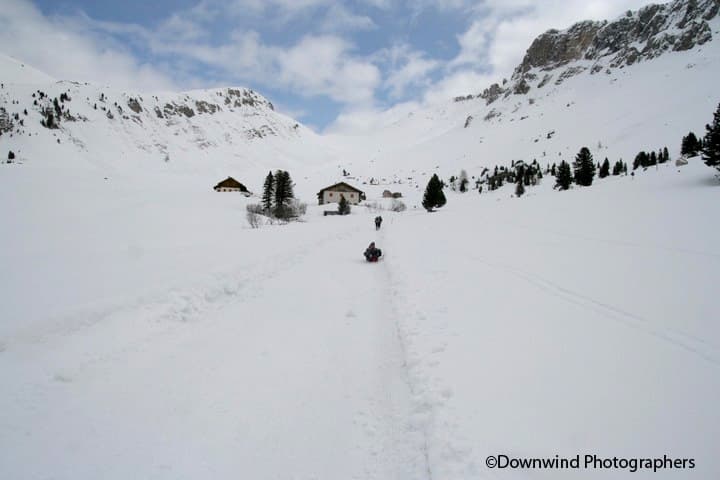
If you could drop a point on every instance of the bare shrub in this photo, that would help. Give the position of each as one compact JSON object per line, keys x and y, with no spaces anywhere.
{"x":373,"y":206}
{"x":254,"y":219}
{"x":397,"y":206}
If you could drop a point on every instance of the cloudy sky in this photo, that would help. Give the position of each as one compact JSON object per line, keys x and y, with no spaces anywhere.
{"x":333,"y":64}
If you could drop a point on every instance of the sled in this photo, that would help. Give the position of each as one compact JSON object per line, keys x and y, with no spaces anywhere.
{"x":374,"y":259}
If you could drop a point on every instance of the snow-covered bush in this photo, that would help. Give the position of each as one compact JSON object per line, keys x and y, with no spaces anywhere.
{"x":255,"y":208}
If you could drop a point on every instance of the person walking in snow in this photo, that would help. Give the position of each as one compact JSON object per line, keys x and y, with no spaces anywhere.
{"x":372,"y":253}
{"x":378,"y":222}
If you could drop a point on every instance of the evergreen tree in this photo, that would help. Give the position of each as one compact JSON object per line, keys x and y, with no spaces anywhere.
{"x":11,"y":155}
{"x":279,"y":192}
{"x":711,"y":144}
{"x":653,"y":159}
{"x":584,"y":167}
{"x":283,"y":194}
{"x":604,"y":169}
{"x":690,"y":145}
{"x":343,"y":205}
{"x":665,"y":155}
{"x":641,"y":160}
{"x":563,"y":179}
{"x":58,"y":110}
{"x":268,"y":192}
{"x":434,"y":196}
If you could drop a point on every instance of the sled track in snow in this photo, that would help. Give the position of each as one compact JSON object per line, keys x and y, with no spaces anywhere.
{"x":402,"y":342}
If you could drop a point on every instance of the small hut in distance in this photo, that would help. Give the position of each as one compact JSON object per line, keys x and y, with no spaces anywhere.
{"x":333,"y":193}
{"x":231,"y":185}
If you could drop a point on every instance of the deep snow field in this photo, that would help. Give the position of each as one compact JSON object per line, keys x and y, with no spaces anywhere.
{"x":148,"y":332}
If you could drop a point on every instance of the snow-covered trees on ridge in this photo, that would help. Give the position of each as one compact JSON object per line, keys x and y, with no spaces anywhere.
{"x":711,"y":142}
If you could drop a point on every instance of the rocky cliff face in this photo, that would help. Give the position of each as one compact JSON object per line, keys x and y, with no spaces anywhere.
{"x":603,"y":46}
{"x":637,"y":36}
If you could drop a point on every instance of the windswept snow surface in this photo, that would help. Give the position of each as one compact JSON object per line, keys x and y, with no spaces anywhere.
{"x":157,"y":336}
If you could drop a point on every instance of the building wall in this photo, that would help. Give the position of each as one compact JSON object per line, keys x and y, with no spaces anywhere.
{"x":227,"y":189}
{"x":334,"y":197}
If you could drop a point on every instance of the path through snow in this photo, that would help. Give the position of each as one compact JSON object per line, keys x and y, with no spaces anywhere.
{"x":289,"y":369}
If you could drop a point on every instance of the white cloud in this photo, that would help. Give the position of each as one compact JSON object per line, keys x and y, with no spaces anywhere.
{"x":66,"y":50}
{"x":356,"y":121}
{"x":321,"y":65}
{"x":338,"y":19}
{"x":406,"y":68}
{"x":459,"y":83}
{"x":316,"y":65}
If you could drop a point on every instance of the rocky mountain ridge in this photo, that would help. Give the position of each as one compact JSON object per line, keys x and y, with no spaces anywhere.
{"x":36,"y":112}
{"x":603,"y":46}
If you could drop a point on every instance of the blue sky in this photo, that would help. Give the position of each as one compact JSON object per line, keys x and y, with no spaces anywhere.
{"x":334,"y":65}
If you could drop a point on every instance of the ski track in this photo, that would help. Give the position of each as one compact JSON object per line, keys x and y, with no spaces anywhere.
{"x":702,"y":348}
{"x":711,"y":256}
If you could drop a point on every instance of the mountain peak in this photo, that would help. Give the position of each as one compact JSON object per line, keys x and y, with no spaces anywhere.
{"x":636,"y":36}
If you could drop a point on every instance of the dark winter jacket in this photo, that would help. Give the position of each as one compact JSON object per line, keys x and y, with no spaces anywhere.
{"x":372,"y":252}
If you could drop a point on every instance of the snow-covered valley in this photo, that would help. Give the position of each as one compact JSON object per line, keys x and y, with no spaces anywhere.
{"x":147,"y":331}
{"x":545,"y":325}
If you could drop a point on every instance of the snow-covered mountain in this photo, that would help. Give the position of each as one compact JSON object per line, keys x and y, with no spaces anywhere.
{"x":215,"y":132}
{"x":604,"y":46}
{"x":639,"y":82}
{"x":598,"y":84}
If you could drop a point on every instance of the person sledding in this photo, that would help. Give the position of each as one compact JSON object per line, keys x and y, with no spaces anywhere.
{"x":372,"y":253}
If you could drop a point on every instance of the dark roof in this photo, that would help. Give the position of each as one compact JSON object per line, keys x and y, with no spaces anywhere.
{"x":340,"y":187}
{"x":230,"y":182}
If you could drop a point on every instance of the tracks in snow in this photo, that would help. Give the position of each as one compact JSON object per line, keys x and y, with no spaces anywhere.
{"x":352,"y":368}
{"x":693,"y":344}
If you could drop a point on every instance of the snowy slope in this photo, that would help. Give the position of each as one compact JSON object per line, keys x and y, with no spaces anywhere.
{"x":17,"y":72}
{"x":565,"y":323}
{"x":559,"y":323}
{"x":146,"y":331}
